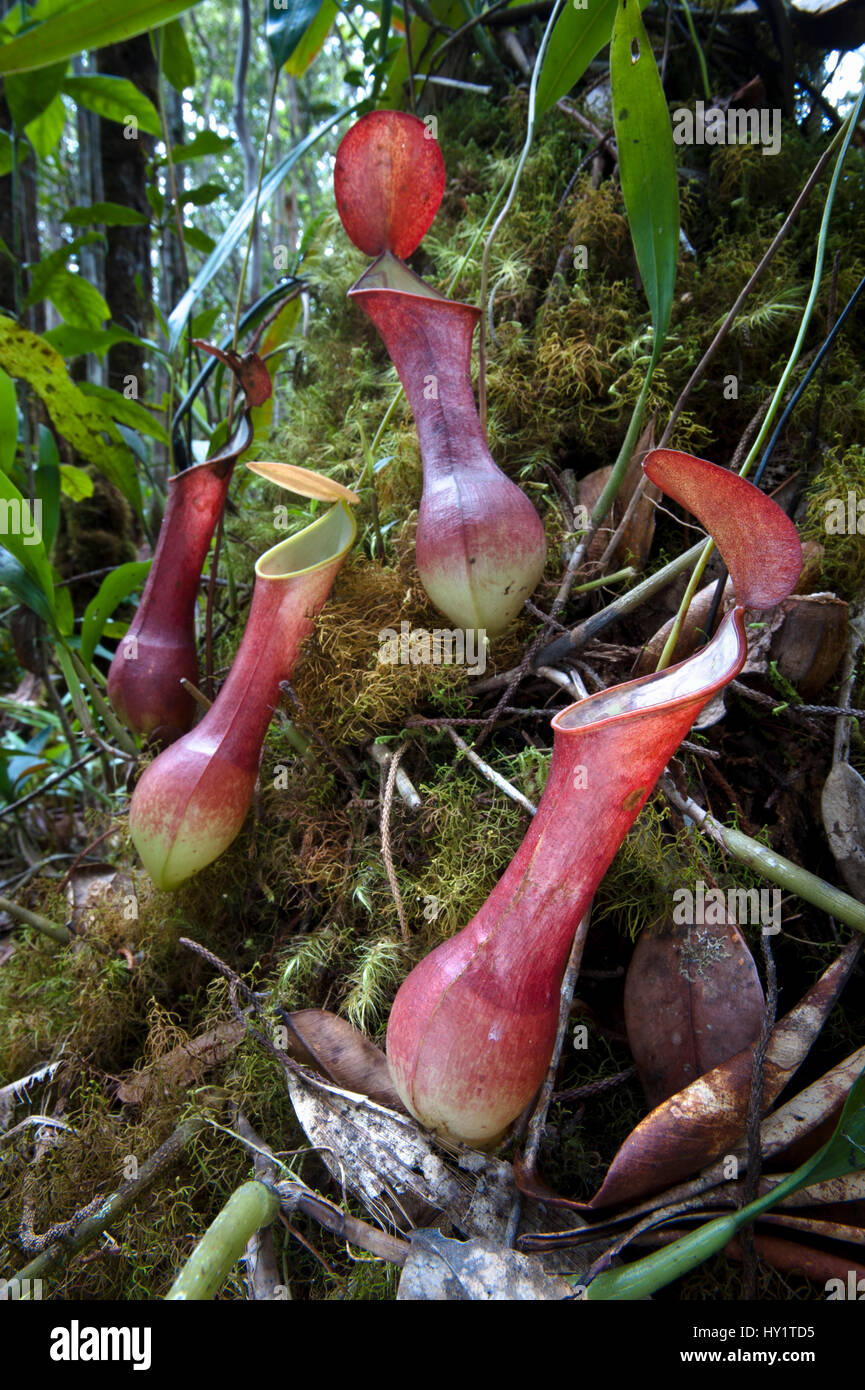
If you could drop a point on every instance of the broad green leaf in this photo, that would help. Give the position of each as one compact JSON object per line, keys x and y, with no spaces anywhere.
{"x":8,"y":422}
{"x":44,"y":133}
{"x":311,"y":43}
{"x":5,"y":154}
{"x":198,"y":240}
{"x":202,"y":325}
{"x":156,"y":199}
{"x":64,"y":613}
{"x":578,"y":37}
{"x":104,"y":215}
{"x":239,"y":224}
{"x":14,"y":577}
{"x":75,"y":483}
{"x":647,"y":162}
{"x":205,"y":143}
{"x":177,"y":61}
{"x":47,"y":9}
{"x":44,"y":270}
{"x":127,"y":412}
{"x":86,"y":24}
{"x":47,"y":483}
{"x":21,"y":535}
{"x":76,"y":300}
{"x":78,"y":419}
{"x":843,"y":1153}
{"x":70,"y":341}
{"x":114,"y":588}
{"x":287,"y":22}
{"x":114,"y":98}
{"x":28,"y":97}
{"x":202,"y":195}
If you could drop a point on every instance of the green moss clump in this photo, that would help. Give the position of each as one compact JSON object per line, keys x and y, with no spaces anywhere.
{"x":842,"y":473}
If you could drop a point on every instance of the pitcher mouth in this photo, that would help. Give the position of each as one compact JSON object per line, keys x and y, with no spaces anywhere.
{"x":701,"y":675}
{"x":323,"y":542}
{"x":389,"y":274}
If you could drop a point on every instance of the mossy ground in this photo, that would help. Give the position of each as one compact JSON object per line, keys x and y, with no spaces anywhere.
{"x":301,"y":903}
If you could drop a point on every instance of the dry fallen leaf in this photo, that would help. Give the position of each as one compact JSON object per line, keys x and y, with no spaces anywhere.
{"x":346,"y":1055}
{"x":455,"y":1270}
{"x":843,"y":805}
{"x":693,"y":999}
{"x":811,"y":641}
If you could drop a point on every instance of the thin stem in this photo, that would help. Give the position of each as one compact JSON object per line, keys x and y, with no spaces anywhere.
{"x":707,"y":90}
{"x":490,"y":773}
{"x":773,"y":866}
{"x":33,"y":919}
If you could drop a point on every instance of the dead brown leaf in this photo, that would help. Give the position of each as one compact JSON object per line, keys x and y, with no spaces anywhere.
{"x":707,"y":1119}
{"x":693,"y":999}
{"x":348,"y":1057}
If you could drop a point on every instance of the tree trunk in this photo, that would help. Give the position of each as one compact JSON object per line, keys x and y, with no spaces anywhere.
{"x":125,"y":151}
{"x":250,"y":163}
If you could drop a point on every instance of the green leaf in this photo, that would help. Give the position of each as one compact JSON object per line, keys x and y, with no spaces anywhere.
{"x":70,"y":341}
{"x":287,"y":22}
{"x":177,"y":61}
{"x":240,"y":222}
{"x":203,"y":323}
{"x":114,"y":588}
{"x":313,"y":39}
{"x":114,"y":98}
{"x":8,"y":423}
{"x":75,"y":483}
{"x":647,"y":162}
{"x":76,"y":300}
{"x":14,"y":577}
{"x":156,"y":199}
{"x":81,"y":421}
{"x":202,"y":195}
{"x":578,"y":37}
{"x":28,"y":97}
{"x":105,"y":215}
{"x":44,"y":270}
{"x":205,"y":143}
{"x":198,"y":240}
{"x":843,"y":1153}
{"x":128,"y":412}
{"x":20,"y":534}
{"x":44,"y":133}
{"x":64,"y":613}
{"x":47,"y":483}
{"x":84,"y":25}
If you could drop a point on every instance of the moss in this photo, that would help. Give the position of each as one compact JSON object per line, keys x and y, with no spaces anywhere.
{"x":826,"y":521}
